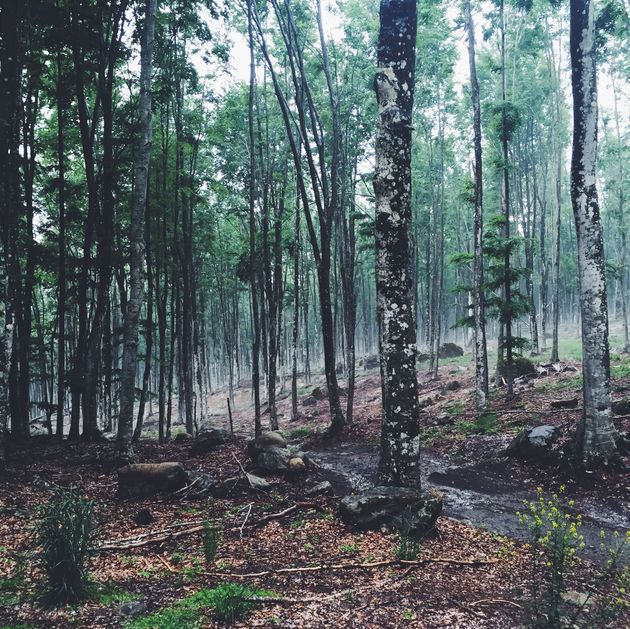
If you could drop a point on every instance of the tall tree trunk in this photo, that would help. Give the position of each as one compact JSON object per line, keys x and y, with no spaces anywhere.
{"x":252,"y":228}
{"x":481,"y":352}
{"x":130,"y":353}
{"x":61,"y":274}
{"x":394,"y":85}
{"x":597,"y":434}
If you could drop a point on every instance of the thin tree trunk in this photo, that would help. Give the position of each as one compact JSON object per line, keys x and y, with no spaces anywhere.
{"x":130,"y":354}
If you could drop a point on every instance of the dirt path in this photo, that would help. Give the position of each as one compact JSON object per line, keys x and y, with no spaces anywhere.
{"x":479,"y":494}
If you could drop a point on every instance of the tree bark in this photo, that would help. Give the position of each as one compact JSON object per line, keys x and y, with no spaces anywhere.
{"x":596,"y":434}
{"x":130,"y":353}
{"x":394,"y":86}
{"x":481,"y":352}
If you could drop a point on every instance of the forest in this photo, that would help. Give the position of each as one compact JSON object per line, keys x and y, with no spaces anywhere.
{"x":314,"y":313}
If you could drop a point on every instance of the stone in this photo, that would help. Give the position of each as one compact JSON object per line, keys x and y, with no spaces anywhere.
{"x":266,"y":439}
{"x":131,"y":609}
{"x":450,"y":350}
{"x":296,"y":464}
{"x":371,"y":362}
{"x":201,"y":484}
{"x":209,"y":440}
{"x":142,"y":480}
{"x":317,"y":393}
{"x":143,"y":517}
{"x":453,"y":385}
{"x":256,"y":482}
{"x":521,"y":367}
{"x":321,"y":489}
{"x":380,"y":506}
{"x":309,"y":401}
{"x":533,"y":442}
{"x":180,"y":437}
{"x":274,"y":459}
{"x":572,"y":403}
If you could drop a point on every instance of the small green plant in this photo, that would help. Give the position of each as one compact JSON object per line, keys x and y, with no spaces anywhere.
{"x":229,"y":601}
{"x":65,"y":533}
{"x":409,"y":541}
{"x":352,"y":548}
{"x":210,"y":539}
{"x":107,"y":594}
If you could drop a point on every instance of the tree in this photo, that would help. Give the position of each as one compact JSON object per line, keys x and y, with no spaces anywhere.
{"x":136,"y":280}
{"x":481,"y":355}
{"x":596,"y":434}
{"x":394,"y":86}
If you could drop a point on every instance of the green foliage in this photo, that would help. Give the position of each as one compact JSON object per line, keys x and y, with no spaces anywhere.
{"x":484,"y":424}
{"x":108,"y":594}
{"x":555,"y":543}
{"x":505,"y":119}
{"x":409,"y":543}
{"x":210,"y":539}
{"x":229,"y":601}
{"x":65,"y":532}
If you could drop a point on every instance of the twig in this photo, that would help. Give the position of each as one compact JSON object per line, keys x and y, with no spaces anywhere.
{"x":166,"y":564}
{"x":243,"y":470}
{"x":352,"y":566}
{"x":310,"y":599}
{"x":164,"y":535}
{"x":490,"y":601}
{"x":249,"y":510}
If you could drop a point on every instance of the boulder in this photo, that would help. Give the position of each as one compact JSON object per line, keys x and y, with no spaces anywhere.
{"x":380,"y":506}
{"x":180,"y":437}
{"x":558,"y":404}
{"x":296,"y":464}
{"x":371,"y":361}
{"x":533,"y":442}
{"x":321,"y":489}
{"x":142,"y":480}
{"x":318,"y":393}
{"x":267,"y":439}
{"x":240,"y":484}
{"x":201,"y":484}
{"x":209,"y":440}
{"x":453,"y":385}
{"x":131,"y":609}
{"x":274,"y":459}
{"x":143,"y":517}
{"x":309,"y":401}
{"x":450,"y":350}
{"x":521,"y":367}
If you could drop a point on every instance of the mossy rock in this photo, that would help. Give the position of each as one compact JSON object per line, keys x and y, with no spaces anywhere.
{"x":521,"y":367}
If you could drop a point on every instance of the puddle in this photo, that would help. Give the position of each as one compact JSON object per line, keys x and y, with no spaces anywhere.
{"x":480,"y":495}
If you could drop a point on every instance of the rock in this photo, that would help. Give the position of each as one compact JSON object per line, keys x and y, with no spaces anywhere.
{"x":521,"y":367}
{"x":621,"y":407}
{"x":321,"y":489}
{"x":267,"y":439}
{"x":143,"y":517}
{"x":309,"y":401}
{"x":209,"y":440}
{"x":450,"y":350}
{"x":142,"y":480}
{"x":317,"y":393}
{"x":201,"y":484}
{"x":274,"y":459}
{"x":133,"y":608}
{"x":371,"y":362}
{"x":533,"y":442}
{"x":296,"y":464}
{"x":580,"y":599}
{"x":453,"y":385}
{"x":572,"y":403}
{"x":183,"y":436}
{"x":423,"y":357}
{"x":256,"y":482}
{"x":429,"y":400}
{"x":387,"y":505}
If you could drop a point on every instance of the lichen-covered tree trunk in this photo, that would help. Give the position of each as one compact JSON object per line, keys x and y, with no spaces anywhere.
{"x":481,"y":353}
{"x":394,"y":86}
{"x":597,"y":434}
{"x":136,"y":282}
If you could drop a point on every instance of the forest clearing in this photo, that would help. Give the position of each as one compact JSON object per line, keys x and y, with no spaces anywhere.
{"x":314,"y":313}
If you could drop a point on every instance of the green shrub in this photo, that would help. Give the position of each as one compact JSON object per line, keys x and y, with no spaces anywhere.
{"x":210,"y":539}
{"x":408,"y":543}
{"x":65,"y":533}
{"x":229,"y":601}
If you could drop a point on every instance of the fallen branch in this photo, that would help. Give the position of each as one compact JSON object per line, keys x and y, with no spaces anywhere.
{"x":400,"y":563}
{"x":164,"y":535}
{"x":492,"y":601}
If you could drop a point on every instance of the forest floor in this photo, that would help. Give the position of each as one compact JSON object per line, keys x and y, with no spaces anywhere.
{"x":474,"y":571}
